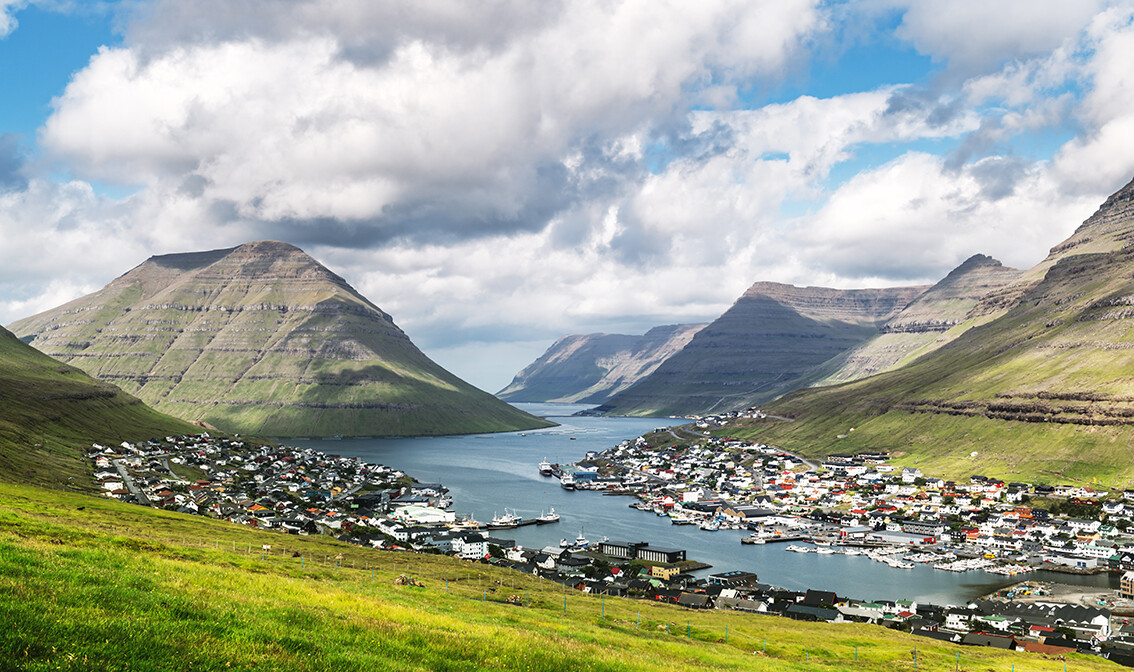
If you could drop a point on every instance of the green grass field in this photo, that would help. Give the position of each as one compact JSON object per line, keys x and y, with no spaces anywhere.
{"x":90,"y":584}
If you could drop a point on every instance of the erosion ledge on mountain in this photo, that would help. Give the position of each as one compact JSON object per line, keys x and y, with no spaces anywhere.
{"x":262,"y":339}
{"x":1044,"y":391}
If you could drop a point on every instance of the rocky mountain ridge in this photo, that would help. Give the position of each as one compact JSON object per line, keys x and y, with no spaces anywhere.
{"x":591,"y":368}
{"x":763,"y":346}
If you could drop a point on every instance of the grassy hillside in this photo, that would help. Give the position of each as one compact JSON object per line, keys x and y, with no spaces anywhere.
{"x":51,"y":412}
{"x":1043,"y":391}
{"x":88,"y":584}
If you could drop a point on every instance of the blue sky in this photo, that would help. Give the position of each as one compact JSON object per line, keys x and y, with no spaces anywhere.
{"x":498,"y":174}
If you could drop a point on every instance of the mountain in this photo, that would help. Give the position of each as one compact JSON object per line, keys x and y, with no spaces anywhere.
{"x":591,"y":368}
{"x":761,"y":347}
{"x":1044,"y":390}
{"x":935,"y":318}
{"x":51,"y":412}
{"x":262,"y":339}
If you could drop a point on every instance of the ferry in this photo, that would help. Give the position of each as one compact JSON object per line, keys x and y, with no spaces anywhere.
{"x":567,"y":481}
{"x":545,"y":468}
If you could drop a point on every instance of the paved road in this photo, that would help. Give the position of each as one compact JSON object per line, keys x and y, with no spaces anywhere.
{"x":128,"y":481}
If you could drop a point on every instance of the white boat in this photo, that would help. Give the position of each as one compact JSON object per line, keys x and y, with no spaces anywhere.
{"x":799,"y":549}
{"x":545,"y":468}
{"x":567,"y":481}
{"x":710,"y":525}
{"x":823,"y":550}
{"x":753,"y":539}
{"x":506,"y":520}
{"x":549,"y":517}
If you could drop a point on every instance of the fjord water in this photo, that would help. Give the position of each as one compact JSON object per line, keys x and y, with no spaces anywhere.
{"x":488,"y":473}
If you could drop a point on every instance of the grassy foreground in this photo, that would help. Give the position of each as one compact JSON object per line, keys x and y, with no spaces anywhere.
{"x":87,"y":584}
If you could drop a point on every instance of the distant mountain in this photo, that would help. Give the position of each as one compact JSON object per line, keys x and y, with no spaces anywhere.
{"x":590,"y":368}
{"x":761,"y":348}
{"x":1044,"y":389}
{"x":50,"y":413}
{"x":262,"y":339}
{"x":935,"y":318}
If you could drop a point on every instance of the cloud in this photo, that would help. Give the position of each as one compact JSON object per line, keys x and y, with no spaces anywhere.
{"x":11,"y":163}
{"x":449,"y":132}
{"x":974,"y":35}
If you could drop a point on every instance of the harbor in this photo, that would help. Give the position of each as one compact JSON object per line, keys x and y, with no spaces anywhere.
{"x":485,"y":474}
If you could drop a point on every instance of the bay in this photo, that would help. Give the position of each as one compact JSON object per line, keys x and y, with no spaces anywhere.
{"x":488,"y":473}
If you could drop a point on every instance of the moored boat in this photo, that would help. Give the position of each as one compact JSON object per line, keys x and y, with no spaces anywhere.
{"x":549,"y":517}
{"x":567,"y":481}
{"x":545,"y":468}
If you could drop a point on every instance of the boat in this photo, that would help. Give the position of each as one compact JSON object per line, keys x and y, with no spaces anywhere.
{"x":824,"y":550}
{"x":799,"y":549}
{"x":680,"y":519}
{"x":753,"y":539}
{"x":506,"y":520}
{"x":567,"y":481}
{"x":545,"y":468}
{"x":579,"y":544}
{"x":710,"y":525}
{"x":549,"y":517}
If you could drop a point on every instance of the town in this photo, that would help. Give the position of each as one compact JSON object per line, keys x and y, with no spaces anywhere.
{"x":846,"y":504}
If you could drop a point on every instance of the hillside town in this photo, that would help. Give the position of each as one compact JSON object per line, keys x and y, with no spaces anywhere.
{"x":847,"y":504}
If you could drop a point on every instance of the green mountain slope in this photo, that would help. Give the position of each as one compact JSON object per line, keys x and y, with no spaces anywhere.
{"x":262,"y":339}
{"x":591,"y":368}
{"x":760,"y":348}
{"x":51,"y":412}
{"x":1046,"y":390}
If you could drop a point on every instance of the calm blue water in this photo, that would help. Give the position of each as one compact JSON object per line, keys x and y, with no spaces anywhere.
{"x":487,"y":473}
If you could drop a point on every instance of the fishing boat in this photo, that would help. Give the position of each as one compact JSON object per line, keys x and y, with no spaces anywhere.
{"x":545,"y":468}
{"x":506,"y":520}
{"x":710,"y":525}
{"x":567,"y":481}
{"x":549,"y":517}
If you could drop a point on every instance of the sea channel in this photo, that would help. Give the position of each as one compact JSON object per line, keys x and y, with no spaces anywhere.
{"x":488,"y":473}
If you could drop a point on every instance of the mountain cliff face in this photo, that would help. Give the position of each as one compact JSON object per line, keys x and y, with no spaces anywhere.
{"x":50,"y":413}
{"x":1048,"y":386}
{"x":262,"y":339}
{"x":590,"y":368}
{"x":933,"y":319}
{"x":762,"y":347}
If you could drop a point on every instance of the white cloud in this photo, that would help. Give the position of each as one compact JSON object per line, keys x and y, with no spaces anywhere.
{"x":972,"y":35}
{"x":291,"y":127}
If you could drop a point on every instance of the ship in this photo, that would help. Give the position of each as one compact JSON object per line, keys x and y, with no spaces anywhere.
{"x":549,"y":517}
{"x":505,"y":521}
{"x":567,"y":481}
{"x":545,"y":468}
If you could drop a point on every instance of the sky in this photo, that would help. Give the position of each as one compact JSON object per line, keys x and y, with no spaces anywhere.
{"x":498,"y":174}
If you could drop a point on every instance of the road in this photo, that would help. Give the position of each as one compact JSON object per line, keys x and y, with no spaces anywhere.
{"x":128,"y":481}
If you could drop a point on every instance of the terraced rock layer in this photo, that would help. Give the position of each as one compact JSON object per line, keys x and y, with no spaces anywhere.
{"x":765,"y":345}
{"x":933,"y":319}
{"x":591,"y":368}
{"x":262,"y":339}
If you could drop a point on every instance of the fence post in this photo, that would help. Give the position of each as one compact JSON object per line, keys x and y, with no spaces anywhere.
{"x":638,"y":625}
{"x":565,"y":604}
{"x":602,"y":601}
{"x":726,"y":634}
{"x":686,"y":628}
